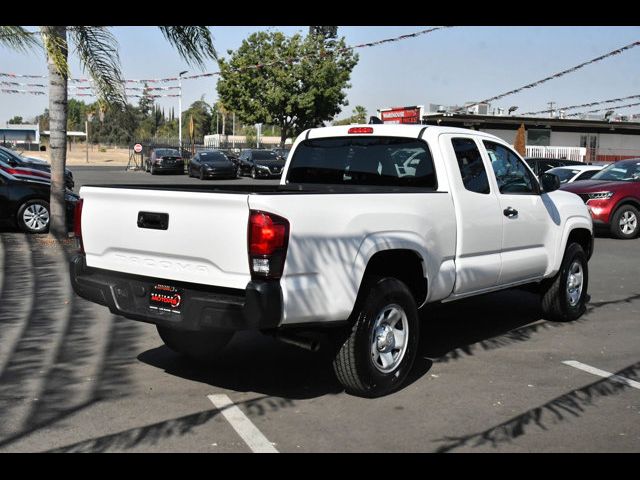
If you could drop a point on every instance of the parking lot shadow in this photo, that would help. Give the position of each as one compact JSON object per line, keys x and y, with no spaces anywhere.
{"x":451,"y":331}
{"x":256,"y":363}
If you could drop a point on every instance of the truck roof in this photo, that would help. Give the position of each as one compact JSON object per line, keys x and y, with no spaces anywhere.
{"x":391,"y":130}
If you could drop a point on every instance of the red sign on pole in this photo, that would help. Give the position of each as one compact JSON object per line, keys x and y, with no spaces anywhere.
{"x":137,"y":148}
{"x":401,"y":115}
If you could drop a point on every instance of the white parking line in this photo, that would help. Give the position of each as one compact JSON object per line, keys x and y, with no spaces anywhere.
{"x":602,"y":373}
{"x":253,"y":437}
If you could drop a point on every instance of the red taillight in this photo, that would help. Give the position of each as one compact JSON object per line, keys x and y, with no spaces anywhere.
{"x":77,"y":223}
{"x":360,"y":130}
{"x":267,"y":240}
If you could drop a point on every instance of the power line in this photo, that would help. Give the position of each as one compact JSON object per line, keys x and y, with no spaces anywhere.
{"x":555,"y":75}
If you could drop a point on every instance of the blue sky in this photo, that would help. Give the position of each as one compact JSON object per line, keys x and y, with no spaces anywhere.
{"x":447,"y":67}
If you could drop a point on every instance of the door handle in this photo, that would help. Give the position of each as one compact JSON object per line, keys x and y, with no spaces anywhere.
{"x":510,"y":212}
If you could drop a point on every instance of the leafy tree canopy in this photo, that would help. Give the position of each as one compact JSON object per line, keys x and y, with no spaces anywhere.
{"x":294,"y":95}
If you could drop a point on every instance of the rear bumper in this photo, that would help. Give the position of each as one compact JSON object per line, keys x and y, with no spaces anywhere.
{"x":203,"y":308}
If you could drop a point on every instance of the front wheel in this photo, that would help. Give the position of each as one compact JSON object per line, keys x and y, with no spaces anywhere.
{"x":200,"y":346}
{"x":254,"y":175}
{"x":378,"y":354}
{"x":624,"y":223}
{"x":33,"y":216}
{"x":564,"y":296}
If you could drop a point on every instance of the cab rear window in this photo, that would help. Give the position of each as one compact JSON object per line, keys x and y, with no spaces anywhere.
{"x":379,"y":161}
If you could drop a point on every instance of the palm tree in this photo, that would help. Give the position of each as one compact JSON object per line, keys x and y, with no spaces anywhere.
{"x":97,"y":50}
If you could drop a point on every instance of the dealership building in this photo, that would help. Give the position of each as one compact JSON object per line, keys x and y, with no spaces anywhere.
{"x":588,"y":140}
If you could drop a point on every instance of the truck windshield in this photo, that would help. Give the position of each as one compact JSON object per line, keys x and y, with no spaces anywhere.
{"x":384,"y":161}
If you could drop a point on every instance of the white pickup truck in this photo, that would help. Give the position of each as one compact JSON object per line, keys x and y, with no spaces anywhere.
{"x":368,"y":224}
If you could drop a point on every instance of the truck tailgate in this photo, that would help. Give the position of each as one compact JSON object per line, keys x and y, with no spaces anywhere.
{"x":205,"y":240}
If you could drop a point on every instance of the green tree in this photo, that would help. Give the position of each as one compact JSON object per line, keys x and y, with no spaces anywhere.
{"x":97,"y":50}
{"x":294,"y":95}
{"x":146,"y":103}
{"x":359,"y":115}
{"x":202,"y":116}
{"x":16,"y":121}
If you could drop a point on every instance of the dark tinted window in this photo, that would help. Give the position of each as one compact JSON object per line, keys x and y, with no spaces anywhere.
{"x":264,"y":155}
{"x":167,"y":152}
{"x":564,"y":174}
{"x":384,"y":161}
{"x":212,"y":157}
{"x":474,"y":175}
{"x":510,"y":171}
{"x":586,"y":175}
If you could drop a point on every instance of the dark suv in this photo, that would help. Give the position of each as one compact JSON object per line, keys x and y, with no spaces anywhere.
{"x":541,"y":165}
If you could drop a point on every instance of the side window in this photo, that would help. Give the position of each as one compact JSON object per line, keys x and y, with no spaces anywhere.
{"x":586,"y":175}
{"x":474,"y":175}
{"x":511,"y":174}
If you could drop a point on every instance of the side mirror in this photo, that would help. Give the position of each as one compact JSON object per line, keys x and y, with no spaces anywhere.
{"x":550,"y":182}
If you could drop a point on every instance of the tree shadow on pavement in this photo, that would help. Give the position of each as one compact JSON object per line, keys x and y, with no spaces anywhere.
{"x":50,"y":341}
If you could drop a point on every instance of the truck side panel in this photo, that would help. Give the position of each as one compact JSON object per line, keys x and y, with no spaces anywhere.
{"x":333,"y":236}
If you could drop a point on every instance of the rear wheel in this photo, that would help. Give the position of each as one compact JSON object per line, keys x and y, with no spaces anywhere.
{"x":378,"y":354}
{"x":564,"y":296}
{"x":624,"y":223}
{"x":200,"y":346}
{"x":33,"y":216}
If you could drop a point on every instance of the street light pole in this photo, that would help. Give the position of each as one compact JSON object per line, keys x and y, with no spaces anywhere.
{"x":180,"y":110}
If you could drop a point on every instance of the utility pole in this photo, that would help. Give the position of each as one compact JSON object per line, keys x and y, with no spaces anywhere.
{"x":180,"y":110}
{"x":551,"y":109}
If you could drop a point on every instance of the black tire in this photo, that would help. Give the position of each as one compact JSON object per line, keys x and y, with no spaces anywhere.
{"x":201,"y":174}
{"x":556,"y":301}
{"x":152,"y":170}
{"x":199,"y":346}
{"x":146,"y":167}
{"x":354,"y":365}
{"x":34,"y":216}
{"x":254,"y":175}
{"x":238,"y":172}
{"x":626,"y":216}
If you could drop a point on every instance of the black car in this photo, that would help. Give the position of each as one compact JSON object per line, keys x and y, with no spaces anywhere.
{"x":541,"y":165}
{"x":16,"y":160}
{"x":212,"y":164}
{"x":25,"y":204}
{"x":163,"y":160}
{"x":261,"y":163}
{"x":282,"y":152}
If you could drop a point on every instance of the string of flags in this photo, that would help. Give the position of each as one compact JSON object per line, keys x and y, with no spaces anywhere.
{"x":555,"y":75}
{"x":583,"y":105}
{"x":11,"y":90}
{"x":249,"y":67}
{"x":615,"y":107}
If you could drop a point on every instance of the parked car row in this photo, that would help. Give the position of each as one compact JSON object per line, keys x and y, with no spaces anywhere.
{"x":219,"y":163}
{"x":24,"y":202}
{"x":23,"y":167}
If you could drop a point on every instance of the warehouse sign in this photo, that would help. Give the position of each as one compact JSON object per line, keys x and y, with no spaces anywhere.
{"x":409,"y":115}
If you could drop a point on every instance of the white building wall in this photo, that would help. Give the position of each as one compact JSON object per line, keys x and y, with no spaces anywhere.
{"x":508,"y":136}
{"x":615,"y":140}
{"x":565,"y":139}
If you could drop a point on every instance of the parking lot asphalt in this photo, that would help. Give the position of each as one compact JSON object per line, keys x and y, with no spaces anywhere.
{"x":491,"y":374}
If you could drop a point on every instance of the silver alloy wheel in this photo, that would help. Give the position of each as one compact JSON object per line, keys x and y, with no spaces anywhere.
{"x":628,"y":222}
{"x":574,"y":283}
{"x":35,"y":216}
{"x":389,"y":338}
